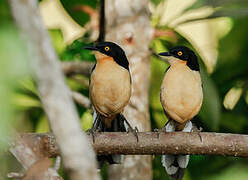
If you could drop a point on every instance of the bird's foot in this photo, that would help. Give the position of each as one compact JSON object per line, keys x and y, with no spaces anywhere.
{"x":92,"y":131}
{"x":158,"y":131}
{"x":130,"y":129}
{"x":134,"y":132}
{"x":197,"y":130}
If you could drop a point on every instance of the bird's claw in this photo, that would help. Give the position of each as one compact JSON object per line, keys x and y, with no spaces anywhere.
{"x":159,"y":131}
{"x":134,"y":132}
{"x":92,"y":132}
{"x":195,"y":129}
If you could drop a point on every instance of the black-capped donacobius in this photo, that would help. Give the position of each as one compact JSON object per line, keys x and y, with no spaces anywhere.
{"x":181,"y":97}
{"x":110,"y":91}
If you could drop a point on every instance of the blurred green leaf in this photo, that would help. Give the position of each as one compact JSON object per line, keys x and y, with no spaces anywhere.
{"x":28,"y":85}
{"x":218,"y":3}
{"x":211,"y":107}
{"x":228,"y":119}
{"x":222,"y":8}
{"x":57,"y":40}
{"x":76,"y":51}
{"x":241,"y":173}
{"x":156,"y":2}
{"x":13,"y":66}
{"x":43,"y":125}
{"x":23,"y":101}
{"x":86,"y":120}
{"x":73,"y":8}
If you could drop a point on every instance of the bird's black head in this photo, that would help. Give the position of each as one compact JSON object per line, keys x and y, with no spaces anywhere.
{"x":185,"y":54}
{"x":113,"y":50}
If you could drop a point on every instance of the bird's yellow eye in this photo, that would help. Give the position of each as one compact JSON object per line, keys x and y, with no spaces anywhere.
{"x":106,"y":48}
{"x":180,"y":53}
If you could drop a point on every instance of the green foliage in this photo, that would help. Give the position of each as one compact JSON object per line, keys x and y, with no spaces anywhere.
{"x":73,"y":8}
{"x":12,"y":67}
{"x":75,"y":52}
{"x":230,"y":8}
{"x":156,"y":2}
{"x":58,"y":41}
{"x":211,"y":107}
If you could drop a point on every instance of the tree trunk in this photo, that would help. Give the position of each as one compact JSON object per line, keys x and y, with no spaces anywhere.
{"x":76,"y":151}
{"x":128,"y":24}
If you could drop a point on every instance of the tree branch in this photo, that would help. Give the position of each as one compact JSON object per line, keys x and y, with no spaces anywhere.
{"x":154,"y":143}
{"x":36,"y":165}
{"x":70,"y":68}
{"x":77,"y":154}
{"x":81,"y":99}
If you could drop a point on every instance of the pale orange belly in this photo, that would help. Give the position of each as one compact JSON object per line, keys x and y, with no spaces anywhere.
{"x":110,"y":88}
{"x":181,"y":93}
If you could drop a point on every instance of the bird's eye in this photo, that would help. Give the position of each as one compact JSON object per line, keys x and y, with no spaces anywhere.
{"x":106,"y":48}
{"x":180,"y":53}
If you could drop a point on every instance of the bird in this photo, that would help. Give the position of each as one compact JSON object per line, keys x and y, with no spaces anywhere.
{"x":181,"y":96}
{"x":110,"y":91}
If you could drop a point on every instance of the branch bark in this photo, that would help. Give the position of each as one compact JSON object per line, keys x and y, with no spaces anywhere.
{"x":70,"y":68}
{"x":75,"y":148}
{"x":153,"y":143}
{"x":33,"y":161}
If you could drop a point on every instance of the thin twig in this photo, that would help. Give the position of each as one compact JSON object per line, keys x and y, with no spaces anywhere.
{"x":81,"y":99}
{"x":72,"y":67}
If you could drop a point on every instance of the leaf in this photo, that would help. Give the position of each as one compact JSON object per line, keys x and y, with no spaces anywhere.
{"x":232,"y":97}
{"x":75,"y":51}
{"x":246,"y":97}
{"x":86,"y":120}
{"x":23,"y":101}
{"x":58,"y":41}
{"x":240,"y":170}
{"x":28,"y":84}
{"x":79,"y":16}
{"x":222,"y":12}
{"x":43,"y":125}
{"x":211,"y":107}
{"x":228,"y":123}
{"x":214,"y":3}
{"x":156,"y":2}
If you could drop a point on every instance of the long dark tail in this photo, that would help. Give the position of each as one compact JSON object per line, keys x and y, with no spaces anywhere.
{"x":175,"y":165}
{"x":117,"y":125}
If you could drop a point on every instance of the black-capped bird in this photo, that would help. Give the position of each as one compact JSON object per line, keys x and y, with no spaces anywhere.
{"x":110,"y":91}
{"x":181,"y":97}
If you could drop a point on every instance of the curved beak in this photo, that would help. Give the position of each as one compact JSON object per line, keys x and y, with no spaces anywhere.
{"x":165,"y":54}
{"x":91,"y":48}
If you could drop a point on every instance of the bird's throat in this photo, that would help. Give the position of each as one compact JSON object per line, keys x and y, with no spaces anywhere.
{"x":100,"y":57}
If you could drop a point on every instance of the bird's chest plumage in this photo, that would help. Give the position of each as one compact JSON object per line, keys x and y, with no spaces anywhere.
{"x":181,"y":93}
{"x":110,"y":87}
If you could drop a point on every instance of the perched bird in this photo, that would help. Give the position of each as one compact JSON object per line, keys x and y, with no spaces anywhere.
{"x":181,"y":97}
{"x":110,"y":91}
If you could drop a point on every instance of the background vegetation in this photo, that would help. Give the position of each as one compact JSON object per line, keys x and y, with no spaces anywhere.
{"x":216,"y":30}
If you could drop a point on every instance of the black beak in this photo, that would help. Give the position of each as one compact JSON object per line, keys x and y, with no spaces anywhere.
{"x":165,"y":54}
{"x":91,"y":48}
